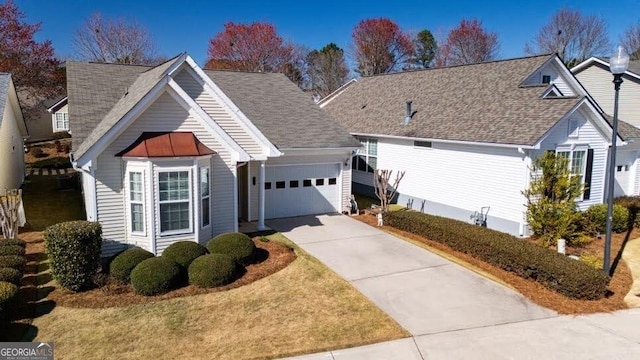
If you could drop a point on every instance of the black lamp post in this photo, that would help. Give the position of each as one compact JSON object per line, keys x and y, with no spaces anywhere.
{"x":618,"y":64}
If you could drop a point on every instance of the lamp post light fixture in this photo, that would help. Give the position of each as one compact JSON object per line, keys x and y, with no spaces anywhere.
{"x":618,"y":64}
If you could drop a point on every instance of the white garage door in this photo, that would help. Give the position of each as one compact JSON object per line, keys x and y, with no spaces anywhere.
{"x":301,"y":190}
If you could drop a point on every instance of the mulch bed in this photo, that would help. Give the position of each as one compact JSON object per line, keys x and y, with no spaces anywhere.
{"x":272,"y":257}
{"x":618,"y":287}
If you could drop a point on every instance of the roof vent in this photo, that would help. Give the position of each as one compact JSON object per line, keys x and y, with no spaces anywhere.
{"x":407,"y":118}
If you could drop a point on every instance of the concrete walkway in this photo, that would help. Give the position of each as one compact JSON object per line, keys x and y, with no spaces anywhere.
{"x":450,"y":311}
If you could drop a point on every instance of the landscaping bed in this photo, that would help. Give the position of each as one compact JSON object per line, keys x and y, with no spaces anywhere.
{"x":272,"y":257}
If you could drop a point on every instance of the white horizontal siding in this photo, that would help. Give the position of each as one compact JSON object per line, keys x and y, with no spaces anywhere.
{"x":597,"y":80}
{"x":556,"y":78}
{"x":346,"y":186}
{"x":164,"y":115}
{"x":217,"y":112}
{"x":588,"y":136}
{"x":11,"y":150}
{"x":464,"y":177}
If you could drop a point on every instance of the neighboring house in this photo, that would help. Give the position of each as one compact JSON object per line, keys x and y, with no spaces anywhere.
{"x":13,"y":132}
{"x":467,"y":135}
{"x":59,"y":115}
{"x":595,"y":76}
{"x":174,"y":152}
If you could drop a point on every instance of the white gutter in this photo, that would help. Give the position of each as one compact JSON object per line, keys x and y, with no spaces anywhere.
{"x":475,"y":143}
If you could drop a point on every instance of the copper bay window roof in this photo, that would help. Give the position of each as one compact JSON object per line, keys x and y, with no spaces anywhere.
{"x":166,"y":144}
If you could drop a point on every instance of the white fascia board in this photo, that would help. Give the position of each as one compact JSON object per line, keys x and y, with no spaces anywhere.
{"x":317,"y":151}
{"x":229,"y":105}
{"x":190,"y":105}
{"x":50,"y":108}
{"x":123,"y":123}
{"x":471,"y":143}
{"x":585,"y":64}
{"x":327,"y":99}
{"x":569,"y":76}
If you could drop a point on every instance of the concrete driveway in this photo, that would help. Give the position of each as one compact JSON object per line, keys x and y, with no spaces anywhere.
{"x":453,"y":313}
{"x":423,"y":292}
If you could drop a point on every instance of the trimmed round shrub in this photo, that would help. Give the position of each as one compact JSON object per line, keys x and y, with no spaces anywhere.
{"x":597,"y":215}
{"x":74,"y":248}
{"x":7,"y":291}
{"x":212,"y":270}
{"x":155,"y":276}
{"x":13,"y":261}
{"x":9,"y":242}
{"x":184,"y":252}
{"x":12,"y":250}
{"x":10,"y":275}
{"x":122,"y":265}
{"x":237,"y":245}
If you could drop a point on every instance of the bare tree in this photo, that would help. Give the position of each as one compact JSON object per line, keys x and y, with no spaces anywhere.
{"x":573,"y":36}
{"x":115,"y":41}
{"x":385,"y":191}
{"x":631,"y":40}
{"x":326,"y":69}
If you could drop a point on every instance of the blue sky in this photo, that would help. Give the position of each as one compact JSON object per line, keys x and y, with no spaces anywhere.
{"x":179,"y":26}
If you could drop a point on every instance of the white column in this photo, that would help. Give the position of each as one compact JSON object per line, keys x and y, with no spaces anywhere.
{"x":261,"y":192}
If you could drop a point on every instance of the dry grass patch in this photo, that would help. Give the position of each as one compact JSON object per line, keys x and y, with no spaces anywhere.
{"x":303,"y":308}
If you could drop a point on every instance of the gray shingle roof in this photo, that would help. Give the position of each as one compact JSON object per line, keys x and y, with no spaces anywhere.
{"x":5,"y":79}
{"x":93,"y":89}
{"x":129,"y":98}
{"x":477,"y":103}
{"x":634,"y":66}
{"x":281,"y":111}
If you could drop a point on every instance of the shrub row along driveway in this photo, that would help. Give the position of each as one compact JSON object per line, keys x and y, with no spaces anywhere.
{"x":452,"y":312}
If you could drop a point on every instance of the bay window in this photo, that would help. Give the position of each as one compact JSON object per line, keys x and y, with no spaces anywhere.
{"x":205,"y":196}
{"x":136,"y":201}
{"x":174,"y":202}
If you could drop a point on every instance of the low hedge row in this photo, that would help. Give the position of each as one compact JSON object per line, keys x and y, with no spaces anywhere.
{"x":212,"y":270}
{"x":10,"y":275}
{"x":155,"y":276}
{"x":237,"y":245}
{"x":184,"y":252}
{"x":569,"y":277}
{"x":7,"y":291}
{"x":9,"y":242}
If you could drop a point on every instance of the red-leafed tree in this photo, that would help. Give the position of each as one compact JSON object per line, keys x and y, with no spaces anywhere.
{"x":467,"y":44}
{"x":33,"y":66}
{"x":253,"y":47}
{"x":380,"y":46}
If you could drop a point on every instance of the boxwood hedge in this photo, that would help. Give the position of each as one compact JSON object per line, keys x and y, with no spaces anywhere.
{"x":7,"y":291}
{"x":237,"y":245}
{"x":8,"y":242}
{"x":10,"y":275}
{"x":74,"y":248}
{"x":155,"y":276}
{"x":557,"y":272}
{"x":122,"y":265}
{"x":12,"y":250}
{"x":13,"y":261}
{"x":212,"y":270}
{"x":184,"y":252}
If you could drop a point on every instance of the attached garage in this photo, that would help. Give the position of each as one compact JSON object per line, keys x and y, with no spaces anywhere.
{"x":294,"y":190}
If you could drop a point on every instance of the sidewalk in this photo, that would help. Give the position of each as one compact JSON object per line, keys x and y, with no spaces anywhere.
{"x":450,"y":311}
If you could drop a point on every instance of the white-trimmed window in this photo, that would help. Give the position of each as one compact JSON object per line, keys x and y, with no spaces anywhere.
{"x":174,"y":202}
{"x":577,"y":159}
{"x":62,"y":121}
{"x":205,"y":196}
{"x":367,"y":158}
{"x":136,"y":202}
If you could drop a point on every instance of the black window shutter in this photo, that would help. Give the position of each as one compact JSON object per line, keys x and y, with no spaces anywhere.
{"x":587,"y":176}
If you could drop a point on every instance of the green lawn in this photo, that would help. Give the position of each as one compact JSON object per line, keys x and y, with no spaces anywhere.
{"x":45,"y":205}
